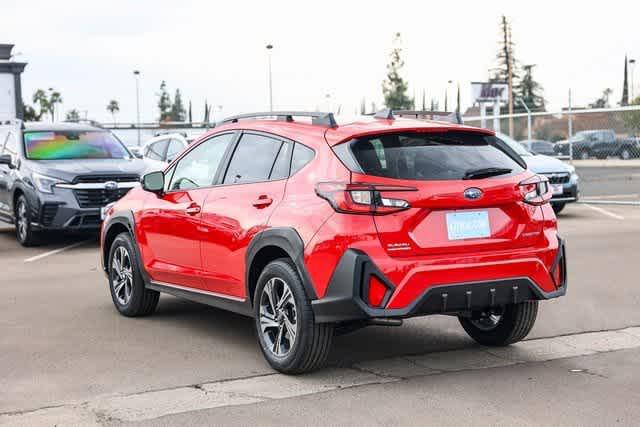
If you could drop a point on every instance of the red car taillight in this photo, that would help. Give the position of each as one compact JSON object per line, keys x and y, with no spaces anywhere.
{"x":536,"y":190}
{"x":363,"y":199}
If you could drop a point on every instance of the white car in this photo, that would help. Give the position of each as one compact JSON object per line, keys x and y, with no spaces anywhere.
{"x":164,"y":148}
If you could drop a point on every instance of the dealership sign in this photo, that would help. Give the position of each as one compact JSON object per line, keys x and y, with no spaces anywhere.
{"x":489,"y":92}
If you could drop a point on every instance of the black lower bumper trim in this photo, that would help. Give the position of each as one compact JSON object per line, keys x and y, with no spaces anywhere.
{"x":343,"y":301}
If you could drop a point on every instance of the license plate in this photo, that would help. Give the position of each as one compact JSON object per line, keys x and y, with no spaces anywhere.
{"x":468,"y":225}
{"x":557,"y":189}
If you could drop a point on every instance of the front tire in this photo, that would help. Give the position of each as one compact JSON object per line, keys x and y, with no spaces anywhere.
{"x":25,"y":233}
{"x":289,"y":338}
{"x":496,"y":330}
{"x":128,"y":292}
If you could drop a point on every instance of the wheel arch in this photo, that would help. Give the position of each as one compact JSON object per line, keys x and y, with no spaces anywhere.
{"x":120,"y":222}
{"x":272,"y":244}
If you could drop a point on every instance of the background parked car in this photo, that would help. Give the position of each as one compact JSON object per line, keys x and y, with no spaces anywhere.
{"x":165,"y":147}
{"x":538,"y":146}
{"x":58,"y":176}
{"x":600,"y":143}
{"x":562,"y":176}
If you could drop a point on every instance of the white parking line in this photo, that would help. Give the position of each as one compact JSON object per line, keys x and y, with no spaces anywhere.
{"x":603,"y":211}
{"x":55,"y":251}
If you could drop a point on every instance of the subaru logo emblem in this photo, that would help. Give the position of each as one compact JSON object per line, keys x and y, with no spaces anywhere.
{"x":472,"y":193}
{"x":110,"y":185}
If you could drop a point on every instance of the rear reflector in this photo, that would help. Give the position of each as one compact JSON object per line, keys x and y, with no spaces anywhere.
{"x":377,"y":292}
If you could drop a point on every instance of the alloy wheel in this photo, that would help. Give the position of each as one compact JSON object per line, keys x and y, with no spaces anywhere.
{"x":278,"y":317}
{"x":22,"y":222}
{"x":122,"y":275}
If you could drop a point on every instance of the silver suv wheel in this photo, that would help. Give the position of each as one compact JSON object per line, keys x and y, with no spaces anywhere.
{"x":122,"y":275}
{"x":278,"y":317}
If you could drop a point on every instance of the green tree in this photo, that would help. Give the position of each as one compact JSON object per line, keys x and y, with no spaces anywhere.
{"x":54,"y":98}
{"x":164,"y":102}
{"x":30,"y":113}
{"x":631,"y":119}
{"x":625,"y":85}
{"x":603,"y":101}
{"x":207,"y":111}
{"x":394,"y":88}
{"x":42,"y":101}
{"x":424,"y":100}
{"x":113,"y":107}
{"x":177,"y":109}
{"x":73,"y":116}
{"x":530,"y":91}
{"x":363,"y":106}
{"x":190,"y":115}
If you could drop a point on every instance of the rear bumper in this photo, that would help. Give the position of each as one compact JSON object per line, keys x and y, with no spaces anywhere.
{"x":345,"y":297}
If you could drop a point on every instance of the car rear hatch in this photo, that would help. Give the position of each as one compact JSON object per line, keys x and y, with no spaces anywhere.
{"x":444,"y":192}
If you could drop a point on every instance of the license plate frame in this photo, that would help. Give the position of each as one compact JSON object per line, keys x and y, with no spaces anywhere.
{"x":557,"y":189}
{"x":468,"y":225}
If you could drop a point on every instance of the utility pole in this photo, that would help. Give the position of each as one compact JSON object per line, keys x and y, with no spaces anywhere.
{"x":136,"y":74}
{"x":508,"y":54}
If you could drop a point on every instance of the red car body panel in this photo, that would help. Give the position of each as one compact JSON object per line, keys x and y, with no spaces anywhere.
{"x":208,"y":250}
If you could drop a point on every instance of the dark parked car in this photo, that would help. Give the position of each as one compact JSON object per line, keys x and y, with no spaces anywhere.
{"x":600,"y":144}
{"x":59,"y":176}
{"x":537,"y":146}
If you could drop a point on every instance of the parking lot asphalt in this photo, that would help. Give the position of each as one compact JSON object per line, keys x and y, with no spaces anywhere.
{"x":598,"y":180}
{"x":62,"y":342}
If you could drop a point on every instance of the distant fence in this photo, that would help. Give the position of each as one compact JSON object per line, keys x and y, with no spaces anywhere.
{"x":576,"y":134}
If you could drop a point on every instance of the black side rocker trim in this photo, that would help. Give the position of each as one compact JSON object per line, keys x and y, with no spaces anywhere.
{"x":343,"y":301}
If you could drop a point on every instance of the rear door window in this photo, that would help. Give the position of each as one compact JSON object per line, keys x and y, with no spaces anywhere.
{"x":253,"y":159}
{"x":429,"y":156}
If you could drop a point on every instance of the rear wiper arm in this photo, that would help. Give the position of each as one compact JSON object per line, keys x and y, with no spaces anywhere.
{"x":485,"y":173}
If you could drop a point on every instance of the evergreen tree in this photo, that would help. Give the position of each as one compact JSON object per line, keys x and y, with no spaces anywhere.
{"x":394,"y":88}
{"x":530,"y":91}
{"x":625,"y":86}
{"x":73,"y":116}
{"x":164,"y":103}
{"x":458,"y":100}
{"x":177,"y":109}
{"x":363,"y":107}
{"x":207,"y":110}
{"x":190,"y":115}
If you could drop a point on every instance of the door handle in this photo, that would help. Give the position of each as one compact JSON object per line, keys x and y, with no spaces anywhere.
{"x":192,"y":209}
{"x":262,"y":202}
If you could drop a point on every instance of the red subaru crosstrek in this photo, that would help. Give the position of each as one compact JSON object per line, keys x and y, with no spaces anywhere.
{"x":315,"y":228}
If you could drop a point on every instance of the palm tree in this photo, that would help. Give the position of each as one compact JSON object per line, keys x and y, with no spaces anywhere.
{"x":113,"y":107}
{"x":54,"y":98}
{"x":40,"y":99}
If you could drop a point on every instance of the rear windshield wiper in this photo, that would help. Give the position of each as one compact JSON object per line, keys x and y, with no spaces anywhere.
{"x":485,"y":173}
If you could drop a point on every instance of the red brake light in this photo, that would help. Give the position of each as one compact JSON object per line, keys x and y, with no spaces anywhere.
{"x":363,"y":199}
{"x":536,"y":190}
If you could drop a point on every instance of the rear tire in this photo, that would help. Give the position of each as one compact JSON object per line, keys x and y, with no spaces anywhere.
{"x":127,"y":287}
{"x":514,"y":324}
{"x":558,"y":207}
{"x":290,"y":339}
{"x":25,"y":233}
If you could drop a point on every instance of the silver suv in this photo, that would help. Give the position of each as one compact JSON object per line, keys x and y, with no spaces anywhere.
{"x":59,"y":176}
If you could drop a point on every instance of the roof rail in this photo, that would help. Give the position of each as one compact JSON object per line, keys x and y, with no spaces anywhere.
{"x":386,"y":114}
{"x":317,"y":118}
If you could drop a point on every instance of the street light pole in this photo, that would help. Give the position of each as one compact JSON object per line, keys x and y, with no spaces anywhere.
{"x":269,"y":48}
{"x":136,"y":74}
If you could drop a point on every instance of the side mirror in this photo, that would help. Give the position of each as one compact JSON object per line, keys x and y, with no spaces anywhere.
{"x":6,"y":159}
{"x":153,"y":182}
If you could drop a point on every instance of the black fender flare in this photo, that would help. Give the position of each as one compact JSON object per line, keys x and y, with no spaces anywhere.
{"x":288,"y":240}
{"x":124,"y":217}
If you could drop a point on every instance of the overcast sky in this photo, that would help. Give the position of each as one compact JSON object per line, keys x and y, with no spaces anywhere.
{"x":216,"y":49}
